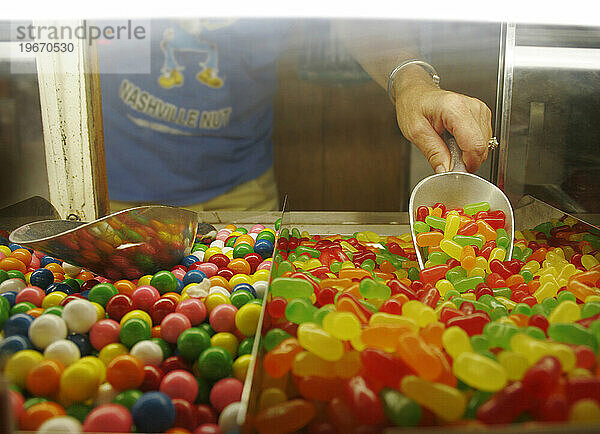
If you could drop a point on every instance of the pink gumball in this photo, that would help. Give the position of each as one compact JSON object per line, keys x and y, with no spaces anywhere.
{"x":264,"y":265}
{"x":194,"y":309}
{"x":144,"y":297}
{"x":108,"y":418}
{"x":207,"y":268}
{"x":104,"y":332}
{"x":224,"y":392}
{"x":179,"y":384}
{"x":173,"y":325}
{"x":32,"y":294}
{"x":222,"y":318}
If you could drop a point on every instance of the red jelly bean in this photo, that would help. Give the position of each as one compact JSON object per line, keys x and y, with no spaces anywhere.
{"x":363,"y":401}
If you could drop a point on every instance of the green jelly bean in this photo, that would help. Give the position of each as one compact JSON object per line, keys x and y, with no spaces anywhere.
{"x":502,"y":292}
{"x":274,"y":337}
{"x":322,"y":312}
{"x":477,"y":400}
{"x":517,"y":253}
{"x":474,"y":208}
{"x":285,"y":233}
{"x":535,"y":332}
{"x":435,"y":222}
{"x":301,"y":258}
{"x":335,"y":267}
{"x":468,"y":283}
{"x":451,"y":294}
{"x":573,"y":333}
{"x":413,"y":273}
{"x":464,"y":240}
{"x":539,"y":309}
{"x":399,"y":409}
{"x":550,"y":303}
{"x":290,"y":288}
{"x":314,"y":253}
{"x":566,"y":295}
{"x":458,"y":301}
{"x":369,"y":306}
{"x":420,"y":226}
{"x":300,"y":310}
{"x":499,"y":334}
{"x":296,"y":233}
{"x":438,"y":258}
{"x":544,"y":227}
{"x":593,"y":240}
{"x":278,"y":224}
{"x":590,"y":309}
{"x":522,"y":308}
{"x":292,"y":257}
{"x":369,"y":288}
{"x":368,"y":264}
{"x":455,"y":274}
{"x":527,"y":275}
{"x":526,"y":254}
{"x":480,"y":343}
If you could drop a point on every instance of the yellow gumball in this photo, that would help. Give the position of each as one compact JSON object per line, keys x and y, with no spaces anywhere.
{"x":100,"y":312}
{"x":240,"y":278}
{"x":225,"y":340}
{"x":79,"y":382}
{"x":111,"y":351}
{"x":53,"y":299}
{"x":137,"y":313}
{"x":240,"y":367}
{"x":260,"y":275}
{"x":211,"y":251}
{"x":98,"y":366}
{"x":144,"y":280}
{"x":246,"y":318}
{"x":18,"y":366}
{"x":215,"y":299}
{"x":6,"y":250}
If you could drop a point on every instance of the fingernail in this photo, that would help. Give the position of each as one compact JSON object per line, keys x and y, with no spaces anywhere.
{"x":440,"y":168}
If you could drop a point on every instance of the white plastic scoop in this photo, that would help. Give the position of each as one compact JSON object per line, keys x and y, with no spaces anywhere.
{"x":456,"y":189}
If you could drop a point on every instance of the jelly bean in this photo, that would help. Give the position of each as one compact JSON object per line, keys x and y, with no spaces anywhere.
{"x":456,"y":341}
{"x":572,"y":334}
{"x":479,"y":372}
{"x":319,"y":342}
{"x":417,"y":354}
{"x":288,"y":416}
{"x":505,"y":406}
{"x":445,"y":401}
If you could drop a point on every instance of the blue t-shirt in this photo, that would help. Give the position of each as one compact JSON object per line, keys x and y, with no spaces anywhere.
{"x":200,"y":123}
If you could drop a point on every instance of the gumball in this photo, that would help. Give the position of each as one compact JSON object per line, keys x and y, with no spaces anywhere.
{"x":42,"y":278}
{"x":241,"y":297}
{"x":108,"y":418}
{"x":101,"y":293}
{"x":33,"y":417}
{"x":127,"y":398}
{"x":228,"y":418}
{"x":192,"y":308}
{"x":104,"y":332}
{"x":197,"y":290}
{"x":83,"y":343}
{"x":174,"y":363}
{"x":214,"y":300}
{"x":12,"y":285}
{"x":246,"y":319}
{"x":208,"y":428}
{"x":61,"y":424}
{"x":44,"y":378}
{"x":18,"y":325}
{"x":133,"y":331}
{"x":161,"y":308}
{"x":192,"y":342}
{"x":221,"y":291}
{"x":125,"y":372}
{"x":63,"y":350}
{"x":189,"y":260}
{"x":193,"y":276}
{"x":222,"y":318}
{"x":148,"y":352}
{"x":153,"y":412}
{"x":137,"y":313}
{"x":118,"y":306}
{"x":31,"y":294}
{"x":88,"y":284}
{"x":98,"y":366}
{"x":58,"y":287}
{"x":80,"y":316}
{"x":14,"y":344}
{"x":245,"y":286}
{"x":239,"y":265}
{"x":215,"y":363}
{"x":173,"y":325}
{"x":152,"y":378}
{"x":144,"y":297}
{"x":240,"y":366}
{"x":264,"y":248}
{"x":186,"y":415}
{"x":46,"y":329}
{"x":106,"y":393}
{"x":164,"y":281}
{"x":208,"y":268}
{"x":224,"y":392}
{"x":206,"y":414}
{"x":179,"y":384}
{"x":53,"y":310}
{"x":79,"y":382}
{"x":254,"y":260}
{"x":225,"y":340}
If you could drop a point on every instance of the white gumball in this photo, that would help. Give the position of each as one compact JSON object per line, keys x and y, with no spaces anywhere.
{"x":61,"y":424}
{"x":80,"y":315}
{"x":63,"y":350}
{"x":46,"y":329}
{"x":149,"y":352}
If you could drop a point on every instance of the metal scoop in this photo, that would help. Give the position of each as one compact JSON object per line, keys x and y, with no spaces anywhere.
{"x":456,"y":189}
{"x":125,"y":245}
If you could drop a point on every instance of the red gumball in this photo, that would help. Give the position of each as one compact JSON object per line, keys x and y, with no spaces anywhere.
{"x":186,"y":415}
{"x":194,"y":309}
{"x":173,"y":325}
{"x":104,"y":332}
{"x":144,"y":297}
{"x":153,"y":375}
{"x":108,"y":418}
{"x":206,"y":414}
{"x":224,"y":392}
{"x":222,"y":318}
{"x":180,"y":384}
{"x":118,"y":306}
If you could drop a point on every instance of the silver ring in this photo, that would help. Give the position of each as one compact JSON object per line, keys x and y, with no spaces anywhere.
{"x":493,"y":143}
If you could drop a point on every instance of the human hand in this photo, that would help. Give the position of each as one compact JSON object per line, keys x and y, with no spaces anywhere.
{"x":424,"y":111}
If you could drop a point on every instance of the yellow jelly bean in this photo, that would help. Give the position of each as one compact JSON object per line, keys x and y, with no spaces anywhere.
{"x":566,"y":312}
{"x":519,"y":235}
{"x":514,"y":364}
{"x":497,"y":253}
{"x":445,"y":401}
{"x":531,"y":266}
{"x":349,"y":365}
{"x":588,"y":261}
{"x":347,"y":264}
{"x":451,"y":248}
{"x":419,"y":312}
{"x":358,"y":344}
{"x":479,"y":372}
{"x":481,"y":262}
{"x":443,"y":286}
{"x":580,"y":372}
{"x":566,"y":272}
{"x":468,"y":296}
{"x":319,"y":342}
{"x":342,"y":325}
{"x":510,"y":305}
{"x":535,"y":350}
{"x":346,"y":246}
{"x":271,"y":397}
{"x":584,"y":411}
{"x":307,"y":364}
{"x":451,"y":227}
{"x":456,"y":341}
{"x":547,"y":290}
{"x":383,"y":318}
{"x":476,"y":271}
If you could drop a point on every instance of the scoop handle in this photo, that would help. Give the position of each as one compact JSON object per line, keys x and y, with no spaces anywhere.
{"x":456,"y":162}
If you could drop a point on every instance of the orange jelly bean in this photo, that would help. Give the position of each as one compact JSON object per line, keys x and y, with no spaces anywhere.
{"x":279,"y":360}
{"x":432,"y":333}
{"x":384,"y":336}
{"x":429,"y":239}
{"x":417,"y":354}
{"x":10,"y":263}
{"x":486,"y":230}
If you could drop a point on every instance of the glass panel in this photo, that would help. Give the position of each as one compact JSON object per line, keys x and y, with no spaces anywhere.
{"x":23,"y":173}
{"x":554,"y":129}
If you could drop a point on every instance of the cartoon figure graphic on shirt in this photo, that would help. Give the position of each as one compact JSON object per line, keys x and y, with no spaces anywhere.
{"x":187,"y":38}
